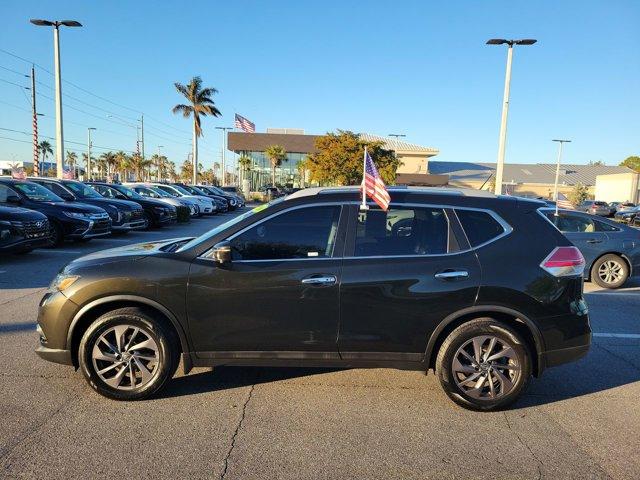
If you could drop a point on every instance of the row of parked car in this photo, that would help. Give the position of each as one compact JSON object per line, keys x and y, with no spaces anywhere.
{"x":605,"y":209}
{"x":43,"y":212}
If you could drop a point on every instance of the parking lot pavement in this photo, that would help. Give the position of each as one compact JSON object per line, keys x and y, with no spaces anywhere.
{"x":577,"y":421}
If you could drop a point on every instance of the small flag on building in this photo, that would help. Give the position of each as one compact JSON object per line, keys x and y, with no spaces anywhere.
{"x":68,"y":174}
{"x":563,"y":202}
{"x":244,"y":124}
{"x":373,"y":186}
{"x":18,"y":173}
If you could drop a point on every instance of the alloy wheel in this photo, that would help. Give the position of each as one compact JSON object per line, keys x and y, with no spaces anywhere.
{"x":125,"y":357}
{"x":611,"y":271}
{"x":486,"y":367}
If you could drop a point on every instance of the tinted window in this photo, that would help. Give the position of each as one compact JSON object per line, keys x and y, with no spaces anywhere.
{"x":301,"y":233}
{"x":81,"y":190}
{"x":37,"y":193}
{"x":566,"y":222}
{"x":605,"y":227}
{"x":6,"y":192}
{"x":402,"y":231}
{"x":480,"y":227}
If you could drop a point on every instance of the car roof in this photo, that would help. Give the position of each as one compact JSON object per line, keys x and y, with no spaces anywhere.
{"x":466,"y":192}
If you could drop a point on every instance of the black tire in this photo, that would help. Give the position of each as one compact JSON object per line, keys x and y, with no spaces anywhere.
{"x":465,"y":333}
{"x":600,"y":267}
{"x":24,"y":251}
{"x":167,"y":352}
{"x":57,"y":235}
{"x":150,"y":223}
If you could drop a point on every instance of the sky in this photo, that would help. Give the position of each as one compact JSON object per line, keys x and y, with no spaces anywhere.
{"x":418,"y":68}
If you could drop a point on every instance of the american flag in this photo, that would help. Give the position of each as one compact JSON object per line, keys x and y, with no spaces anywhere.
{"x":68,"y":174}
{"x":563,"y":202}
{"x":244,"y":124}
{"x":18,"y":173}
{"x":373,"y":185}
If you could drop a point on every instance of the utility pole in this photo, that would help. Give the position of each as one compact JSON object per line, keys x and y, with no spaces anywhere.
{"x":224,"y":157}
{"x":142,"y":133}
{"x":58,"y":84}
{"x":88,"y":173}
{"x":555,"y":189}
{"x":159,"y":163}
{"x":505,"y":104}
{"x":36,"y":152}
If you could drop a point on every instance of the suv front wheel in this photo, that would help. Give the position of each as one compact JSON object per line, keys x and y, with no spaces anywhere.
{"x":128,"y":355}
{"x":484,"y":365}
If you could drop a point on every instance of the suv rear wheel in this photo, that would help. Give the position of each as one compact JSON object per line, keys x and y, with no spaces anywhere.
{"x":127,"y":355}
{"x":484,"y":365}
{"x":610,"y":271}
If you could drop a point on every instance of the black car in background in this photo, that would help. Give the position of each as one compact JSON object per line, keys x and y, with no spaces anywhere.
{"x":67,"y":220}
{"x":156,"y":213}
{"x":235,"y":201}
{"x":125,"y":215}
{"x":21,"y":230}
{"x":438,"y":281}
{"x":627,"y":216}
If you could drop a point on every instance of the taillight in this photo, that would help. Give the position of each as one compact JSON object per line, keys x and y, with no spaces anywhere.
{"x":563,"y":262}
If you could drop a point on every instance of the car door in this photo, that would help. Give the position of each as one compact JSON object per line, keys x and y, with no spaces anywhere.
{"x":278,"y":296}
{"x":404,"y":271}
{"x":581,"y":230}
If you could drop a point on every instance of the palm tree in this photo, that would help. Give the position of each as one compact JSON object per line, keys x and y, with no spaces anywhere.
{"x":123,"y":164}
{"x":72,"y":160}
{"x":45,"y":147}
{"x":86,"y":165}
{"x":101,"y":163}
{"x":276,"y":155}
{"x":110,"y":161}
{"x":200,"y":103}
{"x":245,"y":163}
{"x":139,"y":165}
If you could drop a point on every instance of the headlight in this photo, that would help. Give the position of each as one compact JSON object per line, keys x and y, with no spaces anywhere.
{"x":62,"y":281}
{"x":160,"y":210}
{"x":83,"y":216}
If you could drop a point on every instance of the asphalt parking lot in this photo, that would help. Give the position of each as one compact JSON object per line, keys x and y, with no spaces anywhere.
{"x":577,"y":421}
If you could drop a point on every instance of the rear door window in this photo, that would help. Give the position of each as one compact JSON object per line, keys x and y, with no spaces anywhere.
{"x":402,"y":231}
{"x":480,"y":227}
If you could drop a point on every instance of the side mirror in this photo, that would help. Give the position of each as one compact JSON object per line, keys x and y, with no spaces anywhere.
{"x":221,"y":253}
{"x":14,"y":199}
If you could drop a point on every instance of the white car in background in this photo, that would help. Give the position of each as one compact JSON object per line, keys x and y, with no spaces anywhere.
{"x":153,"y":192}
{"x":207,"y":206}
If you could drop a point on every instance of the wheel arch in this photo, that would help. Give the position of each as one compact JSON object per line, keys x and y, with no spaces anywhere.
{"x":94,"y":309}
{"x":520,"y":322}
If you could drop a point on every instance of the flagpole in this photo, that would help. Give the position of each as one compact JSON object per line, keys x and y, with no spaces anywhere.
{"x":364,"y":206}
{"x":555,"y":189}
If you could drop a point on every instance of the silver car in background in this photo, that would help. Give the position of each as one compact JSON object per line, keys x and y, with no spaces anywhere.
{"x":207,"y":206}
{"x":595,"y":207}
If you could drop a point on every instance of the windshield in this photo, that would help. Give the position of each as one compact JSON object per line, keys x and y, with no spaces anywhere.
{"x":181,"y":190}
{"x":37,"y":193}
{"x":217,"y":191}
{"x":81,"y":190}
{"x":128,"y":192}
{"x":212,"y":233}
{"x":157,"y":191}
{"x":198,"y":191}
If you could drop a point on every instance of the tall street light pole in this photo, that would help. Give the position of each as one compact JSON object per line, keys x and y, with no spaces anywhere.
{"x":159,"y":162}
{"x":88,"y":172}
{"x":58,"y":82}
{"x":505,"y":104}
{"x":224,"y":148}
{"x":555,"y":188}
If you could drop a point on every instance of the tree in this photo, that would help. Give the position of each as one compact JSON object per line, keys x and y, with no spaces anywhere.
{"x":139,"y":166}
{"x":44,"y":148}
{"x":186,"y":172}
{"x":596,"y":163}
{"x":93,"y":164}
{"x":200,"y":104}
{"x":276,"y":155}
{"x":579,"y":194}
{"x":632,"y":162}
{"x":72,"y":159}
{"x":123,"y":164}
{"x":303,"y":166}
{"x":339,"y":159}
{"x":110,"y":161}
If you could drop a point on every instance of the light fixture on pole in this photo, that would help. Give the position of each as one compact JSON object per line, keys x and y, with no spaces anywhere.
{"x":224,"y":148}
{"x":555,"y":188}
{"x":505,"y":104}
{"x":88,"y":172}
{"x":58,"y":84}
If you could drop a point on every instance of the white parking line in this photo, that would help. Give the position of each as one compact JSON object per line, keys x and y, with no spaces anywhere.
{"x":617,"y":335}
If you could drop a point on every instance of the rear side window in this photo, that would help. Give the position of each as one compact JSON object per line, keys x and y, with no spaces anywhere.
{"x":402,"y":231}
{"x":480,"y":227}
{"x":605,"y":227}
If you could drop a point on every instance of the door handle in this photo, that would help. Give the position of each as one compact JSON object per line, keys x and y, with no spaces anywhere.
{"x":451,"y":274}
{"x":320,"y":280}
{"x":594,"y":240}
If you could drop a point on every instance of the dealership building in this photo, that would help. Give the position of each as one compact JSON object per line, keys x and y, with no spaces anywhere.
{"x":298,"y":146}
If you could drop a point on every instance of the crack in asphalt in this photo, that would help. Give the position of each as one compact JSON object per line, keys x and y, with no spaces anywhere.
{"x":40,"y":290}
{"x":525,"y":445}
{"x":235,"y":434}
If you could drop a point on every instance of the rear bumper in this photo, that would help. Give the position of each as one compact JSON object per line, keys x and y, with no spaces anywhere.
{"x":554,"y":358}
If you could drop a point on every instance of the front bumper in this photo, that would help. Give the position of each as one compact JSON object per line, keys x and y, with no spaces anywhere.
{"x":55,"y":314}
{"x":89,"y":228}
{"x":125,"y":227}
{"x":55,"y":356}
{"x":25,"y":244}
